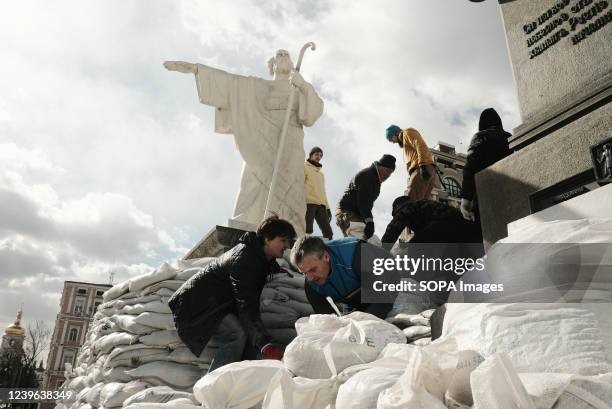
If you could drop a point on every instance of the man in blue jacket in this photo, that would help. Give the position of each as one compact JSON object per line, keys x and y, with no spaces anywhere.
{"x":333,"y":269}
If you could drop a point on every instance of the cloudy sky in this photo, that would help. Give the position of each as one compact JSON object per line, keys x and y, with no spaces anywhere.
{"x":109,"y":163}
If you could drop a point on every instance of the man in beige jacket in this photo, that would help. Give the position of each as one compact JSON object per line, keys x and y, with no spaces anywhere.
{"x":317,"y":206}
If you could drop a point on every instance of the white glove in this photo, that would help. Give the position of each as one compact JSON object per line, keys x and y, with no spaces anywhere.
{"x":467,"y":209}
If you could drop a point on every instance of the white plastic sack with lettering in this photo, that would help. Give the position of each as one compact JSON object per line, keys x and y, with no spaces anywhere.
{"x":328,"y":344}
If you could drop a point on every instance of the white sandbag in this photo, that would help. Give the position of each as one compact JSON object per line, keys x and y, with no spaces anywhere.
{"x":269,"y":294}
{"x":239,"y":385}
{"x":93,"y":397}
{"x":135,"y":355}
{"x":285,"y":392}
{"x":536,"y":337}
{"x":170,"y":285}
{"x":362,"y":389}
{"x":421,"y":342}
{"x":117,"y":374}
{"x":177,"y":376}
{"x":113,"y":394}
{"x":152,"y":306}
{"x":428,"y":374}
{"x":195,"y":262}
{"x":113,"y":340}
{"x":427,"y":313}
{"x":403,"y":320}
{"x":495,"y":384}
{"x":82,"y":396}
{"x":116,"y":291}
{"x":128,"y":323}
{"x":297,"y":294}
{"x":164,"y":272}
{"x":184,"y":275}
{"x":167,"y":338}
{"x":327,"y":344}
{"x":120,"y":303}
{"x":77,"y":384}
{"x":155,"y":320}
{"x":158,"y":394}
{"x":416,"y":332}
{"x":164,"y":293}
{"x":459,"y":392}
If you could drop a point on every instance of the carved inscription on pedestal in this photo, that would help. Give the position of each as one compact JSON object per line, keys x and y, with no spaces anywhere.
{"x":566,"y":22}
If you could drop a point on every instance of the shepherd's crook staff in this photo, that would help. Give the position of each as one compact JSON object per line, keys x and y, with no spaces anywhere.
{"x":281,"y":145}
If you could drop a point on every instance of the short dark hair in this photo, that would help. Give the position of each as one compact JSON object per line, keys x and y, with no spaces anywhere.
{"x":305,"y":246}
{"x":274,"y":227}
{"x":315,"y":150}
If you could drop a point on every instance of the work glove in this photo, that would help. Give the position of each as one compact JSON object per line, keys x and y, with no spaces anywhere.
{"x":369,"y":230}
{"x":424,"y":173}
{"x":273,"y":351}
{"x":467,"y":209}
{"x":329,"y":216}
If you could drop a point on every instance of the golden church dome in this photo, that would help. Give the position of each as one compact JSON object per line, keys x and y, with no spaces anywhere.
{"x":16,"y":328}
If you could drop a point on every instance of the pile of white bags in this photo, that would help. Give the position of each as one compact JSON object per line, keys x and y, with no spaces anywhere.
{"x":283,"y":302}
{"x":132,"y":346}
{"x":416,"y":327}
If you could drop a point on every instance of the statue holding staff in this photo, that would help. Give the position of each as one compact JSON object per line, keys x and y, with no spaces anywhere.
{"x":253,"y":110}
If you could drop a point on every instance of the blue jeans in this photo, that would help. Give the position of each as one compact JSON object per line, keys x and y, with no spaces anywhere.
{"x":231,"y":338}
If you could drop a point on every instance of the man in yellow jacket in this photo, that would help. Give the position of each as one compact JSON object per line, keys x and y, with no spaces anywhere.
{"x":317,"y":207}
{"x":422,"y":173}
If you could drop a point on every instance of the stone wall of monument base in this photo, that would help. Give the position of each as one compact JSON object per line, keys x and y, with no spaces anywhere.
{"x":504,"y":188}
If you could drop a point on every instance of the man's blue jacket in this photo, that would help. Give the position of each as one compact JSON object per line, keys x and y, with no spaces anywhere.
{"x":343,"y":283}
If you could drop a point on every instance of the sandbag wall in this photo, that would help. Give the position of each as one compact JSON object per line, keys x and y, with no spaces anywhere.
{"x":132,"y":353}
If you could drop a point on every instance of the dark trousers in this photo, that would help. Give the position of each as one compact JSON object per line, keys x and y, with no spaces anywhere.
{"x":318,"y":213}
{"x":231,"y":338}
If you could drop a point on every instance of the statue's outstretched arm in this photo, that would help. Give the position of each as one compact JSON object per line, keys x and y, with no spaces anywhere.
{"x":181,"y":66}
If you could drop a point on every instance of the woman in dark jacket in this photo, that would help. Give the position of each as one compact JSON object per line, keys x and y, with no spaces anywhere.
{"x":222,"y":301}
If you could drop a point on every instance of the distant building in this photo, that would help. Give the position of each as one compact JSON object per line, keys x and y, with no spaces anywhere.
{"x":13,"y":337}
{"x":77,"y":306}
{"x":451,"y":164}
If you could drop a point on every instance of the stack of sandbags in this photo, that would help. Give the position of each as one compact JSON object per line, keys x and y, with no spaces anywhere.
{"x":132,"y":345}
{"x":283,"y":302}
{"x":416,"y":327}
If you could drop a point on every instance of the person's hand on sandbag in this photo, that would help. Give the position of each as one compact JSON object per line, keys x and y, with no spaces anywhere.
{"x":467,"y":209}
{"x":273,"y":350}
{"x":424,"y":172}
{"x":369,"y":230}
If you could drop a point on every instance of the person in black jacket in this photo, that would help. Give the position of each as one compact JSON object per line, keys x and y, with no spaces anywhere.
{"x":488,"y":145}
{"x":431,"y":221}
{"x":358,"y":199}
{"x":222,"y":301}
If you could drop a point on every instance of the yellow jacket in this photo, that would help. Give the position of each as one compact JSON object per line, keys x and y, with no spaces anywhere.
{"x":416,"y":151}
{"x":314,"y":184}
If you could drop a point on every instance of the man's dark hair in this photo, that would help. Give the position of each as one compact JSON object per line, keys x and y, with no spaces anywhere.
{"x":274,"y":227}
{"x":305,"y":246}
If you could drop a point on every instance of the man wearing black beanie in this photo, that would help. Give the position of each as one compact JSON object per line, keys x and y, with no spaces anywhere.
{"x":357,"y":202}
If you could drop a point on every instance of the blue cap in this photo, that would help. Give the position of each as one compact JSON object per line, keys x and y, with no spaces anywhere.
{"x":392,"y":130}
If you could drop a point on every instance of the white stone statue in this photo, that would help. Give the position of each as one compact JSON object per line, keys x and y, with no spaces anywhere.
{"x":253,"y":109}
